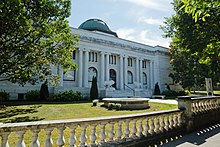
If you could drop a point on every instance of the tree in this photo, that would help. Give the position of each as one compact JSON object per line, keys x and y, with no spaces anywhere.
{"x":34,"y":36}
{"x":194,"y":48}
{"x":94,"y":89}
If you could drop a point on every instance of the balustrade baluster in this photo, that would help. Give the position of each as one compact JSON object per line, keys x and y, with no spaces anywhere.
{"x":134,"y":129}
{"x":102,"y":134}
{"x":20,"y":142}
{"x":167,"y":124}
{"x":171,"y":122}
{"x":140,"y":128}
{"x":175,"y":121}
{"x":162,"y":124}
{"x":157,"y":126}
{"x":83,"y":137}
{"x":151,"y":124}
{"x":72,"y":139}
{"x":49,"y":141}
{"x":35,"y":142}
{"x":119,"y":131}
{"x":4,"y":136}
{"x":93,"y":136}
{"x":61,"y":139}
{"x":111,"y":131}
{"x":127,"y":131}
{"x":146,"y":127}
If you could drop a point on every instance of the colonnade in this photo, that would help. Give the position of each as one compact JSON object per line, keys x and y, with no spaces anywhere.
{"x":103,"y":72}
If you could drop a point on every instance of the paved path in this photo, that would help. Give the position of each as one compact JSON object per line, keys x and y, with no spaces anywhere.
{"x":164,"y":101}
{"x":208,"y":137}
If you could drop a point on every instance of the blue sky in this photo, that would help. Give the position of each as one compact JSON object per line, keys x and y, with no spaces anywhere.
{"x":135,"y":20}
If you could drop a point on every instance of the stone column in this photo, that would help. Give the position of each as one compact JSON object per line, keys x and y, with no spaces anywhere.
{"x":85,"y":71}
{"x":137,"y":70}
{"x":141,"y":72}
{"x":126,"y":70}
{"x":61,"y":75}
{"x":107,"y":68}
{"x":102,"y":70}
{"x":151,"y":75}
{"x":80,"y":71}
{"x":121,"y":72}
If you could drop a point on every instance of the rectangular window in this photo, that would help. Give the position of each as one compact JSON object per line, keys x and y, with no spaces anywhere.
{"x":112,"y":59}
{"x":144,"y":64}
{"x":93,"y":56}
{"x":130,"y":62}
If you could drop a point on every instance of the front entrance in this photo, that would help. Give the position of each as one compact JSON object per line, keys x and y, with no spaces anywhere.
{"x":113,"y":77}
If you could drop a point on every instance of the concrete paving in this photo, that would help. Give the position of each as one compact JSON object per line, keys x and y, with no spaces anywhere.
{"x":208,"y":137}
{"x":164,"y":101}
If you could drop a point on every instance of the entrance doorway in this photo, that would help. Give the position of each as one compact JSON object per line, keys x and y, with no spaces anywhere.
{"x":113,"y":77}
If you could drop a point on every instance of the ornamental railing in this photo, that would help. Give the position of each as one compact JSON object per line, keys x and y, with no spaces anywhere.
{"x":102,"y":131}
{"x":126,"y":130}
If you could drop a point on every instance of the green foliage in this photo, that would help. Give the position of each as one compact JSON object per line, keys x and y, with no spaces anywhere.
{"x":67,"y":96}
{"x":33,"y":95}
{"x":94,"y":94}
{"x":174,"y":94}
{"x":156,"y":89}
{"x":4,"y":95}
{"x":195,"y":45}
{"x":44,"y":92}
{"x":34,"y":35}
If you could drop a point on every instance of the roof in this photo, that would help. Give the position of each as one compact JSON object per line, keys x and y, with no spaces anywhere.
{"x":96,"y":25}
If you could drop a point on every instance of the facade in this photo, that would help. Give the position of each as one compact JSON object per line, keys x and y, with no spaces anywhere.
{"x":122,"y":67}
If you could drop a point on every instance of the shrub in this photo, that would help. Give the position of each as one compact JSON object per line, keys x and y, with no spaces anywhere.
{"x":67,"y":96}
{"x":117,"y":106}
{"x":4,"y":95}
{"x":94,"y":89}
{"x":156,"y":89}
{"x":33,"y":95}
{"x":111,"y":106}
{"x":44,"y":92}
{"x":169,"y":93}
{"x":95,"y":102}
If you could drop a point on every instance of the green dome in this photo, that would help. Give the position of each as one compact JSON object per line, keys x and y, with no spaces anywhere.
{"x":96,"y":25}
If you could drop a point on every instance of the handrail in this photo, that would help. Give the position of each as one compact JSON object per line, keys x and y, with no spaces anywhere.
{"x":130,"y":89}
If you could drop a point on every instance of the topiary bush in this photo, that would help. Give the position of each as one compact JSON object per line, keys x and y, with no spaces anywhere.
{"x":4,"y":95}
{"x":33,"y":95}
{"x":44,"y":92}
{"x":156,"y":89}
{"x":94,"y":94}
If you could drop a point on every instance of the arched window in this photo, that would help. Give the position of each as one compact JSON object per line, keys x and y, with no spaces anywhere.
{"x":92,"y":72}
{"x":130,"y":77}
{"x":144,"y":78}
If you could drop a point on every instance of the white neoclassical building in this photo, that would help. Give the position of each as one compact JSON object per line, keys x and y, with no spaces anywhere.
{"x":122,"y":67}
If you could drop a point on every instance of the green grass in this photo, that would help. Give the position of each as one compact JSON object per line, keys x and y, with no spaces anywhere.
{"x":20,"y":112}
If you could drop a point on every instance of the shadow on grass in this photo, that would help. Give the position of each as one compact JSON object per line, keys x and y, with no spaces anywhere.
{"x":11,"y":115}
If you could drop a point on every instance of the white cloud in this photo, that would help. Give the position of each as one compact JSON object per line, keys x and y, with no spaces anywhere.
{"x":142,"y":36}
{"x":150,"y":21}
{"x":152,"y":4}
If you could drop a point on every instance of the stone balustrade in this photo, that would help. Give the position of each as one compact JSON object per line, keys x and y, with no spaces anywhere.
{"x":126,"y":130}
{"x":199,"y":111}
{"x":102,"y":131}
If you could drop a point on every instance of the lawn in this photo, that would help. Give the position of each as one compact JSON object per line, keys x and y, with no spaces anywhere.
{"x":29,"y":111}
